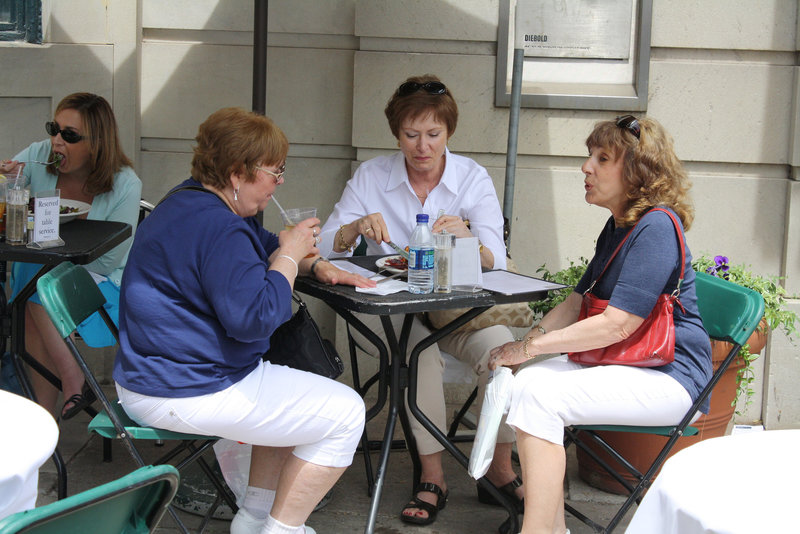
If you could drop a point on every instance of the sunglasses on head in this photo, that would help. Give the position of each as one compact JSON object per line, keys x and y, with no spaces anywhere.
{"x":69,"y":136}
{"x":630,"y":123}
{"x":432,"y":88}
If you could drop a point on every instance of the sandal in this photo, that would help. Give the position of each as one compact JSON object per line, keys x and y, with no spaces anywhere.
{"x":508,"y":489}
{"x":79,"y":401}
{"x":431,"y":509}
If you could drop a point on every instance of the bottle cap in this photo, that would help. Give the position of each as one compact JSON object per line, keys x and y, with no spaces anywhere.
{"x":422,"y":217}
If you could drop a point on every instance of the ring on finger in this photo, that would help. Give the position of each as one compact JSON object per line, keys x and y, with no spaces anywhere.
{"x":317,"y":239}
{"x":369,"y":229}
{"x":315,"y":233}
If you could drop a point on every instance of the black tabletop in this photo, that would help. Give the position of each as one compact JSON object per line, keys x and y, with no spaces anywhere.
{"x":84,"y":242}
{"x":403,"y":302}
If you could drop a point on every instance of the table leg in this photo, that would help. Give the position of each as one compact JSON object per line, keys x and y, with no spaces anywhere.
{"x":440,"y":436}
{"x":395,"y":404}
{"x":18,"y":355}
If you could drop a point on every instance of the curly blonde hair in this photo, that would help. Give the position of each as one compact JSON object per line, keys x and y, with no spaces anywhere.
{"x":652,"y":172}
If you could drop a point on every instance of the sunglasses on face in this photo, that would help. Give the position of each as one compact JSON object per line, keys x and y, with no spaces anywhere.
{"x":630,"y":123}
{"x":432,"y":88}
{"x":69,"y":136}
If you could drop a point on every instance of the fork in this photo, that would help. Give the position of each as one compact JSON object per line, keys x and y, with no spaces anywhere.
{"x":395,"y":275}
{"x":42,"y":162}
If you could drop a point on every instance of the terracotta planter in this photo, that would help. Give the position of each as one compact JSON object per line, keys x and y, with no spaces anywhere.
{"x":641,"y":449}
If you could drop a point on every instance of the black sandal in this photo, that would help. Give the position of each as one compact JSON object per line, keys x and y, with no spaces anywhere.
{"x":508,"y":489}
{"x":79,"y":401}
{"x":431,"y":509}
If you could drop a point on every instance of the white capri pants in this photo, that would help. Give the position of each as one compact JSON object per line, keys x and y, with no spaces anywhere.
{"x":274,"y":406}
{"x":549,"y":395}
{"x":470,"y":347}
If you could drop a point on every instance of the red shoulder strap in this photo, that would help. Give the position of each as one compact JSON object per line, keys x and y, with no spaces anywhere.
{"x":680,"y":240}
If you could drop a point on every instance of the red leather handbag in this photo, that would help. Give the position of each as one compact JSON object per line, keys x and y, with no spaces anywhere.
{"x":653,"y":343}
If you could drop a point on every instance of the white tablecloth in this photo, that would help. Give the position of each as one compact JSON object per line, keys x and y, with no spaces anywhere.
{"x":30,"y":435}
{"x":742,"y":484}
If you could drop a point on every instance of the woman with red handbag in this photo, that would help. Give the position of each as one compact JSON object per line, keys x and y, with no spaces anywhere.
{"x":637,"y":350}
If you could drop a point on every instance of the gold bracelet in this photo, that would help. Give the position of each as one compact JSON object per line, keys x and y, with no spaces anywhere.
{"x":344,"y":244}
{"x":525,"y":348}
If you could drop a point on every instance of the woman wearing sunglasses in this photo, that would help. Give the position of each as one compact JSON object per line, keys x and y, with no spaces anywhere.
{"x":632,"y":168}
{"x":379,"y":204}
{"x":84,"y":160}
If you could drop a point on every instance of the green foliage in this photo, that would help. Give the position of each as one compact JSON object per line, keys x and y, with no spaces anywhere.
{"x":569,"y":277}
{"x":775,"y":313}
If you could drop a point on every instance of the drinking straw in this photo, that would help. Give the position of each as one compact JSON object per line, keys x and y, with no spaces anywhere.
{"x":275,"y":200}
{"x":16,"y":179}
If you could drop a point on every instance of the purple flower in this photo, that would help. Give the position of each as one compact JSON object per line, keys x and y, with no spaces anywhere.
{"x":721,"y":267}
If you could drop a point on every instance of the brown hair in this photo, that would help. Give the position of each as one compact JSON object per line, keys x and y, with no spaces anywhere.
{"x":235,"y":140}
{"x":105,"y":152}
{"x":420,"y":103}
{"x":652,"y":173}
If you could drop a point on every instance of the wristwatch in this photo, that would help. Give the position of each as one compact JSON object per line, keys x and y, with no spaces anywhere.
{"x":314,"y":264}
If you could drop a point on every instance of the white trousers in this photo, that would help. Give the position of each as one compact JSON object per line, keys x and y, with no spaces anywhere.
{"x":549,"y":395}
{"x":274,"y":406}
{"x":471,"y":348}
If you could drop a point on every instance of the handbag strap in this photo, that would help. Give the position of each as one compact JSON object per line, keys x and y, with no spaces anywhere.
{"x":680,"y":240}
{"x":188,"y":188}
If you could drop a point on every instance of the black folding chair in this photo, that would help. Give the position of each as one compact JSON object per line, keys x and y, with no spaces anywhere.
{"x":730,"y":313}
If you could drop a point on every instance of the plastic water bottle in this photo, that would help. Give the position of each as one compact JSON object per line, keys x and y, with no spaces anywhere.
{"x":420,"y":257}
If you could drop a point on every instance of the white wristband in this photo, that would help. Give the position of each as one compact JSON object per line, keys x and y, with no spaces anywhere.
{"x":296,"y":267}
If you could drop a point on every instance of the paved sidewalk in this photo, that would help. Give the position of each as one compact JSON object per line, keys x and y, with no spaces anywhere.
{"x":347,"y":511}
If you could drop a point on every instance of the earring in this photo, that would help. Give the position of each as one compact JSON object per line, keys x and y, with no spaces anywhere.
{"x":236,"y":194}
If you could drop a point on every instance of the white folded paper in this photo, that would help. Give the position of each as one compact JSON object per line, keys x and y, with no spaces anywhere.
{"x":467,"y":265}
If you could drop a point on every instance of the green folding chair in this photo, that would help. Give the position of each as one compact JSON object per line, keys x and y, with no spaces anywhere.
{"x":730,"y":313}
{"x":70,"y":295}
{"x":131,"y":504}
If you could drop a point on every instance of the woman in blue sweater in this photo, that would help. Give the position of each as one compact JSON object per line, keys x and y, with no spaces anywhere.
{"x":204,"y":288}
{"x":632,"y":168}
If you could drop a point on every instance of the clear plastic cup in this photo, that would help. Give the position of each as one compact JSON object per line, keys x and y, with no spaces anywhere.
{"x":16,"y":215}
{"x":293,"y":216}
{"x":443,"y":244}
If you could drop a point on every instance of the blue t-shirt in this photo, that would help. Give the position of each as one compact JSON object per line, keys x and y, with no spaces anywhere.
{"x":198,"y":303}
{"x":647,"y":265}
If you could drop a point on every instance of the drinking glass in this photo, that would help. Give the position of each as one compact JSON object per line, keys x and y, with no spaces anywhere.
{"x":293,"y":216}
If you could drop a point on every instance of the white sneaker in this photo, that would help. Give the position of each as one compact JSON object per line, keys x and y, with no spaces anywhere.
{"x":244,"y":523}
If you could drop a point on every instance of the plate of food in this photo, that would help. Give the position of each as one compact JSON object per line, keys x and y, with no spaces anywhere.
{"x":71,"y":209}
{"x":394,"y":264}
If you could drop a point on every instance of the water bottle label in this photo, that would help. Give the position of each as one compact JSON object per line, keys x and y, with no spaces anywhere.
{"x":420,"y":258}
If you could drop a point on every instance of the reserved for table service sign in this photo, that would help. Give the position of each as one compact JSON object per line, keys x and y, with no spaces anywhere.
{"x":46,"y":220}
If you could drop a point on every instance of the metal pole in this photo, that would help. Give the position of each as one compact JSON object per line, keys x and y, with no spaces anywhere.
{"x":261,"y":8}
{"x":513,"y":130}
{"x":260,"y":56}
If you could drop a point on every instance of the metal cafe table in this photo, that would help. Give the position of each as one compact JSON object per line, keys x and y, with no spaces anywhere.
{"x":394,"y":375}
{"x":84,"y":242}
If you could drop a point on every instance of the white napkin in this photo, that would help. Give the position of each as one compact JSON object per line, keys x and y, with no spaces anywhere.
{"x":386,"y":288}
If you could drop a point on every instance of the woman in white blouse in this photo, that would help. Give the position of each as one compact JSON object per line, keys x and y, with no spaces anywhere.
{"x":380,"y":204}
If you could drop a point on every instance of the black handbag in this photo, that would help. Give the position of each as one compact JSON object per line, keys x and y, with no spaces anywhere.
{"x":298,"y":343}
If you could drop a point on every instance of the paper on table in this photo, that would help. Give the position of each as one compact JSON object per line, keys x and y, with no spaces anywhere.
{"x":386,"y":288}
{"x":509,"y":283}
{"x":352,"y":268}
{"x":467,"y":264}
